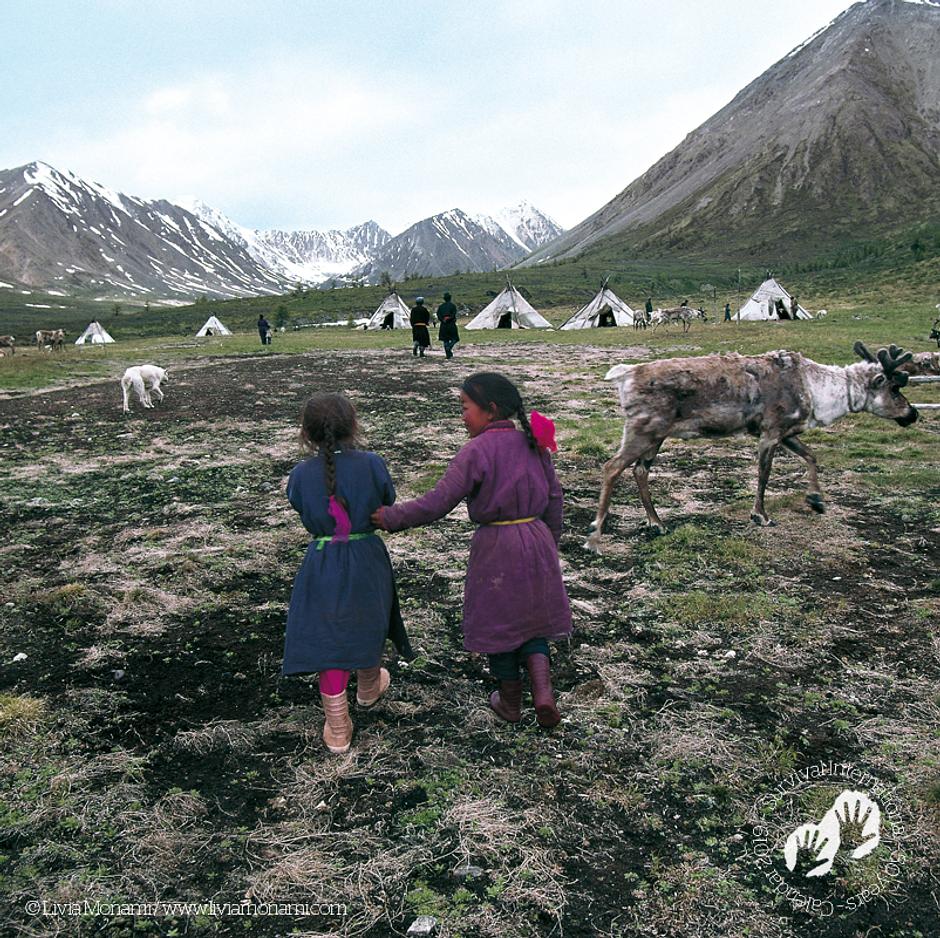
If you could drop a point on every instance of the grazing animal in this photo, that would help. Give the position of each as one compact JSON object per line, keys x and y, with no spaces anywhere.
{"x":683,"y":314}
{"x":641,"y":319}
{"x":8,"y":341}
{"x":774,"y":397}
{"x":923,"y":363}
{"x":52,"y":337}
{"x":137,"y":377}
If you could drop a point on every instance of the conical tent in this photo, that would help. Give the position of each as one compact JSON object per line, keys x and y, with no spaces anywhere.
{"x":213,"y":327}
{"x":395,"y":305}
{"x":94,"y":333}
{"x":605,"y":309}
{"x":510,"y":310}
{"x":764,"y":304}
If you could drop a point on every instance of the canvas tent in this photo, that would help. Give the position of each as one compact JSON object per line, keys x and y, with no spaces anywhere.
{"x":213,"y":327}
{"x":606,"y":309}
{"x":94,"y":333}
{"x":510,"y":310}
{"x":770,"y":301}
{"x":392,"y":304}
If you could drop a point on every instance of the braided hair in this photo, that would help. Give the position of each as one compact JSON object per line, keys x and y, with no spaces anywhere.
{"x":489,"y":390}
{"x":329,"y":421}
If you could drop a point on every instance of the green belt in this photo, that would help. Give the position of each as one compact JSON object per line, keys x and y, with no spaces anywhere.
{"x":320,"y":541}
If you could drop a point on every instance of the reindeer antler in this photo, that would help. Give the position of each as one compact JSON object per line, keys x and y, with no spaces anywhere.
{"x":891,"y":360}
{"x":863,"y":353}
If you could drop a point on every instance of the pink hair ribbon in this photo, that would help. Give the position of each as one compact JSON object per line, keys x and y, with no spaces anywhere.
{"x":543,"y":430}
{"x":339,"y":515}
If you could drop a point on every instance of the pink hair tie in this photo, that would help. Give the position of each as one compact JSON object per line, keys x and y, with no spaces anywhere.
{"x":339,"y":515}
{"x":543,"y":430}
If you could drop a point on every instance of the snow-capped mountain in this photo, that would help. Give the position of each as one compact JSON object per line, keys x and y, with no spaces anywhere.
{"x":529,"y":227}
{"x":60,"y":231}
{"x":308,"y":256}
{"x":443,"y":244}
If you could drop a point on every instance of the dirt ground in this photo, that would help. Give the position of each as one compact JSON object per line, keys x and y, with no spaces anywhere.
{"x":150,"y":750}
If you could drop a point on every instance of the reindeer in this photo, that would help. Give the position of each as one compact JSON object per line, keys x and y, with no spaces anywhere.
{"x":8,"y":341}
{"x":774,"y":397}
{"x":53,"y":337}
{"x":136,"y":376}
{"x":641,"y":319}
{"x":923,"y":363}
{"x":683,"y":314}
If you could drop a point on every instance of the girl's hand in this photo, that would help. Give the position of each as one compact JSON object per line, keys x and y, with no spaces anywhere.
{"x":376,"y":519}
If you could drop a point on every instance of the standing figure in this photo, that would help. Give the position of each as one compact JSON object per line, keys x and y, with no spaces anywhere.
{"x":447,"y":333}
{"x":514,"y":596}
{"x":264,"y":329}
{"x":727,"y":312}
{"x":420,"y":333}
{"x":344,"y":603}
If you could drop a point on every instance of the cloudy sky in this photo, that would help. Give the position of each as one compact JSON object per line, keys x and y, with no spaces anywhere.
{"x":319,"y":114}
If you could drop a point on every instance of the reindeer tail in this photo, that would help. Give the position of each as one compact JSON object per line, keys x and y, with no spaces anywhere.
{"x":618,"y":372}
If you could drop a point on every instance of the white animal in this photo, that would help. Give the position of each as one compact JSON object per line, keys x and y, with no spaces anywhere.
{"x":138,"y":376}
{"x":820,"y":313}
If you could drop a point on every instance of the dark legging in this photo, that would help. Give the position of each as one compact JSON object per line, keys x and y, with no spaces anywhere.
{"x":505,"y":665}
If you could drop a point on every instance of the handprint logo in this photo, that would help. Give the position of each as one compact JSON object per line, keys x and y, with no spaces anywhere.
{"x":859,"y":820}
{"x":813,"y":843}
{"x":853,"y":822}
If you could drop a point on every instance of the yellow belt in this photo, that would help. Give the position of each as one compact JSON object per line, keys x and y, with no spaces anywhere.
{"x":515,"y":521}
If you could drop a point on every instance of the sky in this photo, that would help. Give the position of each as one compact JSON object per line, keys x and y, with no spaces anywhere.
{"x":319,"y":114}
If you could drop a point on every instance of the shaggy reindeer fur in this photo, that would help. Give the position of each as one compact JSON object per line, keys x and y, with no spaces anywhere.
{"x":774,"y":397}
{"x":923,"y":364}
{"x":136,"y":377}
{"x":53,"y":337}
{"x":676,"y":314}
{"x":8,"y":341}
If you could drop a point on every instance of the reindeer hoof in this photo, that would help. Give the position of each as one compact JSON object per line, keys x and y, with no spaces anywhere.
{"x":593,"y":543}
{"x":656,"y":530}
{"x":762,"y":522}
{"x":816,"y":503}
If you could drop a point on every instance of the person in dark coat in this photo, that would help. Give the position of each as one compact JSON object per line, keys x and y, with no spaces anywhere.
{"x":344,"y":604}
{"x":514,"y":595}
{"x":264,"y":330}
{"x":447,"y":333}
{"x":420,"y":332}
{"x":649,"y":306}
{"x":727,"y":312}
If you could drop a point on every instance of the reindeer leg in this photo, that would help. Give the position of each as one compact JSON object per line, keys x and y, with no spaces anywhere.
{"x":156,"y":390}
{"x":765,"y":459}
{"x":814,"y":498}
{"x":641,"y":472}
{"x":629,"y":452}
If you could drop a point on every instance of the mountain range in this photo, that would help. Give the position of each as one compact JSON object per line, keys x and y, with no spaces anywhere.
{"x":62,"y":233}
{"x":838,"y":141}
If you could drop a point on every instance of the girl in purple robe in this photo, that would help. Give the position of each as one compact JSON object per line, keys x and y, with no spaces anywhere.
{"x":344,"y":604}
{"x":514,"y":597}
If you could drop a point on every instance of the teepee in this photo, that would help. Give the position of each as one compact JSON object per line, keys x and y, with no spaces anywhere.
{"x":94,"y":333}
{"x":510,"y":310}
{"x":606,"y":309}
{"x":213,"y":327}
{"x":395,"y":305}
{"x":763,"y":304}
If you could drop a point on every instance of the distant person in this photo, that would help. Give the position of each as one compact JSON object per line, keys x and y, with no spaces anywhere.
{"x":794,"y":308}
{"x":264,"y":330}
{"x":514,"y":595}
{"x":344,"y":604}
{"x":684,"y":304}
{"x":727,"y":312}
{"x":447,"y":333}
{"x":420,"y":333}
{"x":649,"y":306}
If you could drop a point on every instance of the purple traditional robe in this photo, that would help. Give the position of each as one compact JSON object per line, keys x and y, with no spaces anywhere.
{"x":514,"y":589}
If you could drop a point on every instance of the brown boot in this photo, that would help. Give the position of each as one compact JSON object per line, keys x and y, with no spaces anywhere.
{"x":507,"y":701}
{"x":337,"y":727}
{"x":371,"y":684}
{"x":540,"y":677}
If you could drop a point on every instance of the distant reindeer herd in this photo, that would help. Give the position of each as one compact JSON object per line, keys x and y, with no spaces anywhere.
{"x":52,"y":339}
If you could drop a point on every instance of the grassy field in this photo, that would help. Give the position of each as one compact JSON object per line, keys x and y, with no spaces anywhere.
{"x":149,"y":748}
